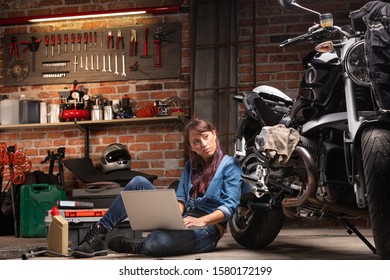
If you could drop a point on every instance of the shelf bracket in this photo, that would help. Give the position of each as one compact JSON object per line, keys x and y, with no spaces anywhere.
{"x":86,"y":137}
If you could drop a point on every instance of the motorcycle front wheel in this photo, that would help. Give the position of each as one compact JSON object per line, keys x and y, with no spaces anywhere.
{"x":255,"y":228}
{"x":376,"y":167}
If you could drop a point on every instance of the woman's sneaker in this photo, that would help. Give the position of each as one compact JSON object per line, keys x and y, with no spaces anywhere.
{"x":93,"y":244}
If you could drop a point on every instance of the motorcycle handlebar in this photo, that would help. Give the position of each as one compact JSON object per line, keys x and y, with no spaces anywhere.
{"x":315,"y":33}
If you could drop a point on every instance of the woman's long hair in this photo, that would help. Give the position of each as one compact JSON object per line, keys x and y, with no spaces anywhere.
{"x":202,"y":173}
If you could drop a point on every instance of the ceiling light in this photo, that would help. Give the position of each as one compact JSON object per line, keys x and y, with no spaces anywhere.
{"x":91,"y":14}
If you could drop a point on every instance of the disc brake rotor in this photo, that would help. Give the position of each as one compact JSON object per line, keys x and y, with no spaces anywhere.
{"x":18,"y":69}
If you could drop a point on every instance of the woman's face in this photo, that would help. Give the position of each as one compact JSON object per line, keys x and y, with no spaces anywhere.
{"x":203,"y":144}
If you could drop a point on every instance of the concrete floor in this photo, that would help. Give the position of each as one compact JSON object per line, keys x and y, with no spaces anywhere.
{"x":292,"y":243}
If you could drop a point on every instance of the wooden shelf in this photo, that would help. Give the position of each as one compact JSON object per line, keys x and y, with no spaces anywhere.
{"x":86,"y":126}
{"x":162,"y":119}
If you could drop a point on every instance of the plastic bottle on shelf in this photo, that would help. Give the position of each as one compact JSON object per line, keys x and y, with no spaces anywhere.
{"x":58,"y":236}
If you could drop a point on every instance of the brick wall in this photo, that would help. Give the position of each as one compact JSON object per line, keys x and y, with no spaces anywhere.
{"x":269,"y":64}
{"x":157,"y":149}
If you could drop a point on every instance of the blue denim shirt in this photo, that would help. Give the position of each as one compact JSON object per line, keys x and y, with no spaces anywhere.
{"x":223,"y":192}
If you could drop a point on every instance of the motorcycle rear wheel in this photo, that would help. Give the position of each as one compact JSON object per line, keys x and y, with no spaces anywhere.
{"x":257,"y":229}
{"x":376,"y":166}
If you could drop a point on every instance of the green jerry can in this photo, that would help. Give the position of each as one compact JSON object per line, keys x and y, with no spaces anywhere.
{"x":35,"y":201}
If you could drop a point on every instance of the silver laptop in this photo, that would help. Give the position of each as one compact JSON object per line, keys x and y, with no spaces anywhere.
{"x":153,"y":209}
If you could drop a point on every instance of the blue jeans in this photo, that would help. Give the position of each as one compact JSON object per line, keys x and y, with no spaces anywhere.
{"x":161,"y":243}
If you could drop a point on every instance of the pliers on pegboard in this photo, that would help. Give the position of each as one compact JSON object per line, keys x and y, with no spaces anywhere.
{"x":110,"y":40}
{"x":119,"y":40}
{"x":133,"y":43}
{"x":13,"y":47}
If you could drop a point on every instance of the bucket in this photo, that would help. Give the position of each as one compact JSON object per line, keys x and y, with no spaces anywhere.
{"x":9,"y":109}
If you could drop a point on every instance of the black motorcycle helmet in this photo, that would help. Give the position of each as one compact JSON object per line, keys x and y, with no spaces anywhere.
{"x":115,"y":157}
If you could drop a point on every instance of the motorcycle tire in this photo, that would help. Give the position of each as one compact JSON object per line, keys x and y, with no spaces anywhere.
{"x":257,"y":230}
{"x":376,"y":166}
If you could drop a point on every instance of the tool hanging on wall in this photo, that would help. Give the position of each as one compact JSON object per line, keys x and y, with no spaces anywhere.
{"x":97,"y":62}
{"x":116,"y":64}
{"x":104,"y":63}
{"x":145,"y":54}
{"x":75,"y":63}
{"x":119,"y":40}
{"x":18,"y":69}
{"x":46,"y":45}
{"x":59,"y":38}
{"x":66,"y":38}
{"x":123,"y":66}
{"x":159,"y":36}
{"x":94,"y":39}
{"x":58,"y":63}
{"x":109,"y":62}
{"x":133,"y":43}
{"x":92,"y":64}
{"x":135,"y":68}
{"x":51,"y":75}
{"x":110,"y":40}
{"x":33,"y":47}
{"x":81,"y":61}
{"x":72,"y":40}
{"x":86,"y":63}
{"x":13,"y":47}
{"x":53,"y":42}
{"x":79,"y":42}
{"x":85,"y":41}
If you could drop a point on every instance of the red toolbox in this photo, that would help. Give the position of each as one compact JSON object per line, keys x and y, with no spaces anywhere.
{"x":80,"y":220}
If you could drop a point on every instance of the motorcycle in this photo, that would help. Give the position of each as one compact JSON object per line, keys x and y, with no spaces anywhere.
{"x":324,"y":155}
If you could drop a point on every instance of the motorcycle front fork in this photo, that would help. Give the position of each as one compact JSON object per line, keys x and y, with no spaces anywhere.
{"x":354,"y":123}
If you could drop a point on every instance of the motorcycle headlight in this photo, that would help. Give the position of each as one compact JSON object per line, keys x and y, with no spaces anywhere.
{"x":356,"y":64}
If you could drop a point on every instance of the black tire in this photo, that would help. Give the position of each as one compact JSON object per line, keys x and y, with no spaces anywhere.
{"x":376,"y":167}
{"x":257,"y":229}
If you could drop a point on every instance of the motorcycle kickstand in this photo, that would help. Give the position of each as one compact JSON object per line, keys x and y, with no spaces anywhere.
{"x":351,"y":228}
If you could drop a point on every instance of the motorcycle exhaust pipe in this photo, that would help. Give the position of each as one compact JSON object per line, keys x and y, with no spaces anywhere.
{"x":311,"y":184}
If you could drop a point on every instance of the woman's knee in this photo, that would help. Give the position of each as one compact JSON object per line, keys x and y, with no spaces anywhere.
{"x":152,"y":247}
{"x":139,"y":183}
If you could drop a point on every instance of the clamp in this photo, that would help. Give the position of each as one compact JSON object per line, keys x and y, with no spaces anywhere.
{"x":159,"y":36}
{"x":33,"y":47}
